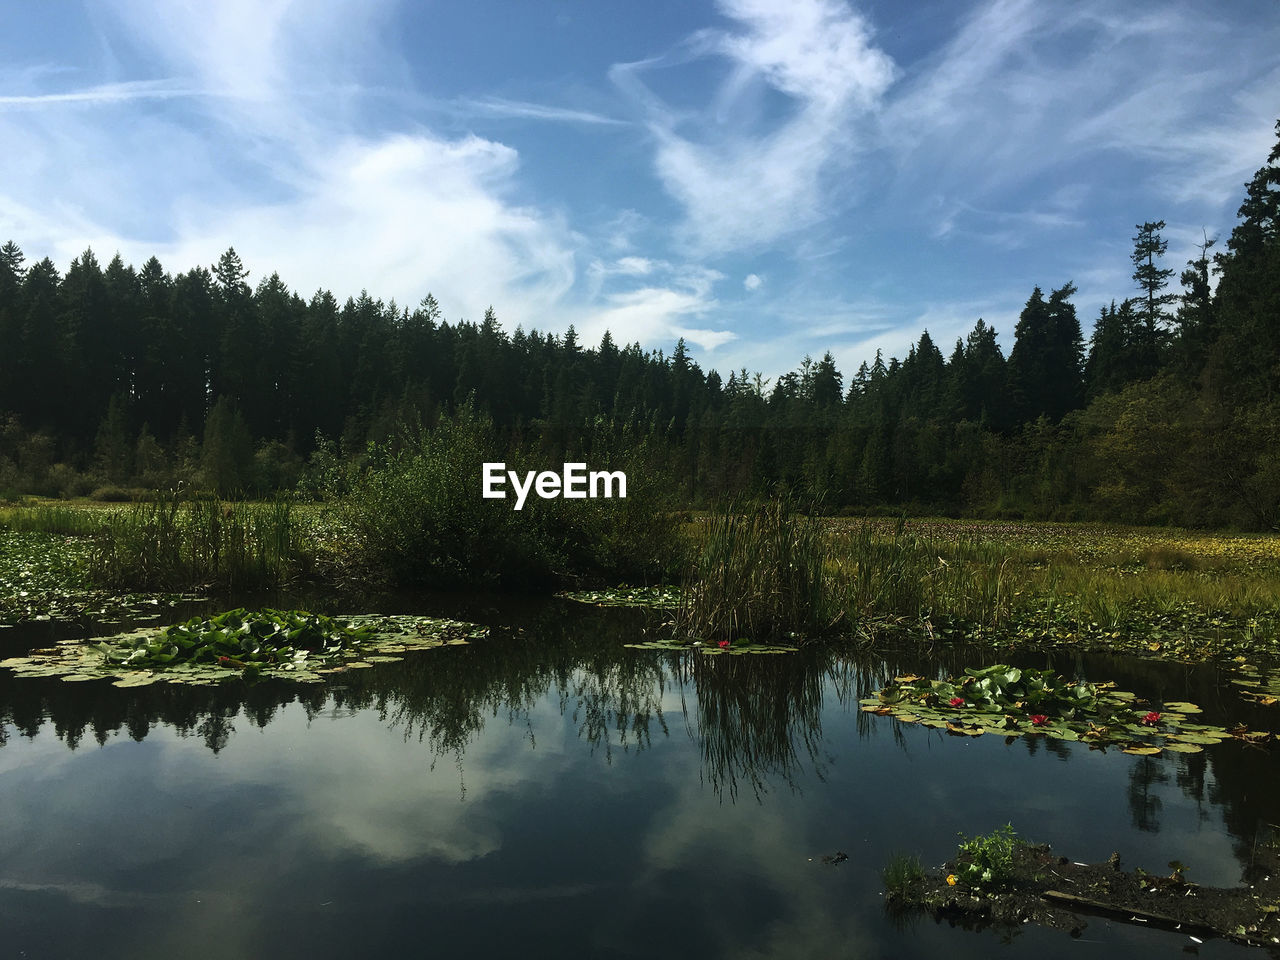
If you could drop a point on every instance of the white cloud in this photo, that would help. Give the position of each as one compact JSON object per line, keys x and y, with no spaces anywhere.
{"x":105,"y":93}
{"x":744,"y":187}
{"x":657,"y":312}
{"x":523,"y":110}
{"x":752,"y":282}
{"x":635,"y":266}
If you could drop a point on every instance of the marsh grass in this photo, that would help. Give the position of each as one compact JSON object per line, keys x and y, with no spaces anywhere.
{"x":175,"y":544}
{"x":1143,"y":589}
{"x":58,"y":519}
{"x":761,"y":575}
{"x":906,"y":574}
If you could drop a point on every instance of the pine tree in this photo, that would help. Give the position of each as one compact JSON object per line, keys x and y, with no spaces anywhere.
{"x":1148,"y":245}
{"x":1248,"y":295}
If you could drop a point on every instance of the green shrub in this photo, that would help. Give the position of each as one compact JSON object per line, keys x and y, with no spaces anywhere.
{"x":115,"y":494}
{"x":417,"y":518}
{"x":987,"y":861}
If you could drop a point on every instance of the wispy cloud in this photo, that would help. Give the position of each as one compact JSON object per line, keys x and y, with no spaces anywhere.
{"x":107,"y":93}
{"x":743,"y":184}
{"x":524,"y":110}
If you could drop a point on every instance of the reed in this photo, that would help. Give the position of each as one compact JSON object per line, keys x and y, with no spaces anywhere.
{"x":761,"y":575}
{"x":171,"y":544}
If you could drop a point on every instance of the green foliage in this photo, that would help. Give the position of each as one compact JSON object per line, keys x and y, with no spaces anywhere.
{"x":986,"y":862}
{"x":228,"y":450}
{"x":900,"y":873}
{"x":54,"y":518}
{"x":1009,"y":701}
{"x":290,"y":645}
{"x":261,"y":637}
{"x":1180,"y":425}
{"x":416,"y":517}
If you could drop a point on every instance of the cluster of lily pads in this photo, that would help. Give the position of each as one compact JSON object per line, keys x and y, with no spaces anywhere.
{"x":1260,"y":686}
{"x":41,"y":578}
{"x":660,"y":598}
{"x":1009,"y":701}
{"x":292,"y":645}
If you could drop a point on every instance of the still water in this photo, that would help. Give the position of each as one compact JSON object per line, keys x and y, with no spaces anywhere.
{"x":549,"y":793}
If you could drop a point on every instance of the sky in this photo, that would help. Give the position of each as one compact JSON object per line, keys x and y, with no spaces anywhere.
{"x":767,"y":179}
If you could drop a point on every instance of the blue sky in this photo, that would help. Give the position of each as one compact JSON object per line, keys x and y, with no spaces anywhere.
{"x":766,"y":178}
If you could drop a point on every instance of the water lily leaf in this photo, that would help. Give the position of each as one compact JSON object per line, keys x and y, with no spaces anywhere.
{"x":1178,"y":747}
{"x":1181,"y":706}
{"x":1060,"y":733}
{"x":136,"y":680}
{"x":1200,"y":738}
{"x":1141,"y":750}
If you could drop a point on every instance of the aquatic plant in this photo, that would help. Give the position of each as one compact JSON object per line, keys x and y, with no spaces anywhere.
{"x":177,"y":543}
{"x":293,"y":645}
{"x":986,"y":861}
{"x":1009,"y":701}
{"x":899,"y":873}
{"x":54,"y":518}
{"x":659,"y":598}
{"x":760,"y":576}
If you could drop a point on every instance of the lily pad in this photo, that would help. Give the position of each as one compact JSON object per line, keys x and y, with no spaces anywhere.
{"x":287,"y":645}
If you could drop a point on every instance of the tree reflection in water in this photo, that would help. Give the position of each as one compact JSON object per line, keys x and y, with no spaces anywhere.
{"x":758,"y":720}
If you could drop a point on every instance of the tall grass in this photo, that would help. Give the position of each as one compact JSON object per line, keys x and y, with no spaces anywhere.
{"x":761,"y":576}
{"x":900,"y":873}
{"x":173,"y":544}
{"x":54,"y":518}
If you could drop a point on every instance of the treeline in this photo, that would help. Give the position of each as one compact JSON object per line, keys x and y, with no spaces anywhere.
{"x":1168,"y":412}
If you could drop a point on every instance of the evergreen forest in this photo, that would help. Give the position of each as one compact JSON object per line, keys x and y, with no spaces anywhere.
{"x":1164,"y":408}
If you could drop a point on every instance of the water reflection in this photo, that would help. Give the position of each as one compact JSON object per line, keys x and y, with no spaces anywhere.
{"x":630,"y":796}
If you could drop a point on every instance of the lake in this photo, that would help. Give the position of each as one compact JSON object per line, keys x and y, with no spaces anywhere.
{"x":548,"y":792}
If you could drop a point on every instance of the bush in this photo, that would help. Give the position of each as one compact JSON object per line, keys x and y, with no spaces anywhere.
{"x":417,"y":517}
{"x":987,"y":861}
{"x":114,"y":494}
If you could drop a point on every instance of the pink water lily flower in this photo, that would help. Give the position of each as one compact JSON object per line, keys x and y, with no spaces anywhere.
{"x":1150,"y":720}
{"x":1039,"y":719}
{"x":957,"y":701}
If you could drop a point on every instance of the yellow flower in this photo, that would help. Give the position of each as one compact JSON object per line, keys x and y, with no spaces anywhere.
{"x":951,"y":879}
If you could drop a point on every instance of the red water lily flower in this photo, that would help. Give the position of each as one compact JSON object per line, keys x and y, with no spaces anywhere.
{"x":1150,"y":720}
{"x":957,"y":701}
{"x":724,"y":644}
{"x":1039,"y":719}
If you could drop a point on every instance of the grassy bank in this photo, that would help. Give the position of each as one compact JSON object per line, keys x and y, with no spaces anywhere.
{"x":770,"y":573}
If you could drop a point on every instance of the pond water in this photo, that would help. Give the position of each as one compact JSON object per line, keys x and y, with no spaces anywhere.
{"x":548,"y":792}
